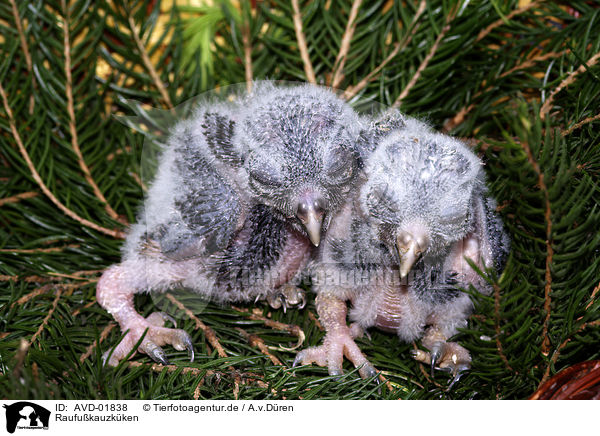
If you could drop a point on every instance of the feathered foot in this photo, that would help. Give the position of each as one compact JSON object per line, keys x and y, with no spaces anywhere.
{"x":287,"y":296}
{"x":445,"y":356}
{"x":155,"y":337}
{"x":338,"y":342}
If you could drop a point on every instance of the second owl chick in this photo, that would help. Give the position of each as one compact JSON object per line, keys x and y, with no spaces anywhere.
{"x":397,"y":251}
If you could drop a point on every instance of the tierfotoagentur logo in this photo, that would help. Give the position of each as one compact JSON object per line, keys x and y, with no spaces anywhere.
{"x":26,"y":416}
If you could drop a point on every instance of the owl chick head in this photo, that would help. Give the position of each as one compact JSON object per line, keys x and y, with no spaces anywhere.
{"x":300,"y":144}
{"x":419,"y":192}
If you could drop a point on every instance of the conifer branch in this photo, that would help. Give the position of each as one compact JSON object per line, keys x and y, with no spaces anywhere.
{"x":85,"y":306}
{"x":38,"y":250}
{"x":399,"y":46}
{"x":593,"y":296}
{"x":48,"y":316}
{"x":209,"y":333}
{"x":558,"y":350}
{"x":427,"y":58}
{"x":497,"y":326}
{"x":25,"y":48}
{"x":31,"y":295}
{"x":485,"y":32}
{"x":549,"y":248}
{"x":566,"y":82}
{"x":18,"y":197}
{"x":103,"y":335}
{"x":302,"y":47}
{"x":256,"y":341}
{"x":315,"y":319}
{"x":36,"y":176}
{"x":148,"y":63}
{"x":66,"y":18}
{"x":340,"y":60}
{"x":461,"y":115}
{"x":290,"y":328}
{"x":135,"y":176}
{"x":247,"y":56}
{"x":581,"y":124}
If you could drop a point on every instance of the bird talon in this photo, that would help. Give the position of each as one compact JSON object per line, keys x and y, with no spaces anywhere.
{"x":188,"y":344}
{"x":368,"y":371}
{"x":288,"y":296}
{"x":303,"y":301}
{"x":155,"y":352}
{"x":298,"y":359}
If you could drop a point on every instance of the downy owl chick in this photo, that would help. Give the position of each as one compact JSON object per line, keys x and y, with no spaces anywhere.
{"x":243,"y":194}
{"x":397,"y":251}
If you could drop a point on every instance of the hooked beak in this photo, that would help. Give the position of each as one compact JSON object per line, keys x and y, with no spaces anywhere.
{"x":310,"y":212}
{"x":410,"y":247}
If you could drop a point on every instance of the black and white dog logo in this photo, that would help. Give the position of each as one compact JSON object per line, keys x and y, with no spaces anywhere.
{"x":26,"y":415}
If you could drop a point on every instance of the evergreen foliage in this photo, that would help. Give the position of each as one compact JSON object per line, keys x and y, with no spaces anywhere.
{"x":519,"y":80}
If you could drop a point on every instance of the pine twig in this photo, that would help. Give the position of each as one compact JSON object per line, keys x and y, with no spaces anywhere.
{"x":48,"y":316}
{"x":340,"y":60}
{"x":485,"y":32}
{"x":138,"y":180}
{"x":566,"y":82}
{"x":461,"y":115}
{"x":556,"y":353}
{"x":400,"y":46}
{"x":290,"y":328}
{"x":25,"y":48}
{"x":148,"y":64}
{"x":580,"y":124}
{"x":36,"y":176}
{"x":314,"y":318}
{"x":257,"y":342}
{"x":209,"y":333}
{"x":72,"y":119}
{"x":249,"y":75}
{"x":38,"y":250}
{"x":497,"y":326}
{"x":17,"y":198}
{"x":308,"y":68}
{"x":427,"y":59}
{"x":593,"y":296}
{"x":549,"y":248}
{"x":103,"y":335}
{"x":39,"y":291}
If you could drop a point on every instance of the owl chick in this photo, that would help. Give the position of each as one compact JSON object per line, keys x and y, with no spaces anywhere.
{"x":243,"y":194}
{"x":398,"y":251}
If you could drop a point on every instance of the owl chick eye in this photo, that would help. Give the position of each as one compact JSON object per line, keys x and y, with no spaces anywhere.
{"x":264,"y":172}
{"x":265,"y":177}
{"x":452,"y":216}
{"x":342,"y":173}
{"x":341,"y":165}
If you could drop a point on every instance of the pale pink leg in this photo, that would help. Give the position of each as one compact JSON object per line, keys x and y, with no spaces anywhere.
{"x":338,"y":342}
{"x":115,"y":294}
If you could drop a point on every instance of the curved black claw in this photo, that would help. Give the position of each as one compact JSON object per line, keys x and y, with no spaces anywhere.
{"x":287,"y":296}
{"x":303,"y":301}
{"x":435,"y":354}
{"x":458,"y":372}
{"x":297,"y":359}
{"x":368,"y":371}
{"x":189,"y":346}
{"x":156,"y":353}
